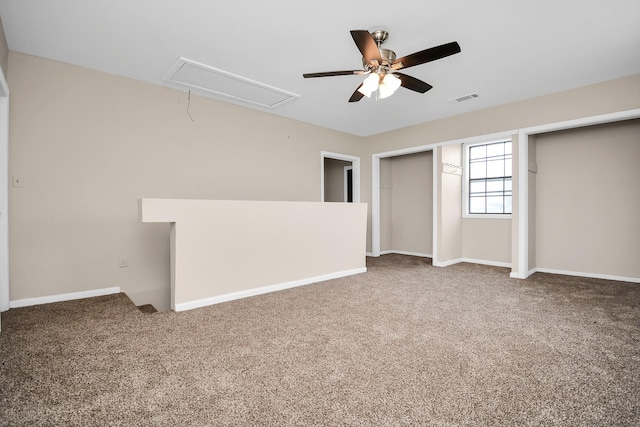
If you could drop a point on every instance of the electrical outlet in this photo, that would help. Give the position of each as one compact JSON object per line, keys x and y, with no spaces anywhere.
{"x":123,"y":262}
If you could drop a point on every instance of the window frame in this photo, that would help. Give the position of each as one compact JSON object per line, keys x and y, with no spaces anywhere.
{"x":465,"y":180}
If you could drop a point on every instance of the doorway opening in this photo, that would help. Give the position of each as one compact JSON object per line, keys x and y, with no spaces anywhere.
{"x":339,"y":178}
{"x":406,"y":204}
{"x":348,"y":184}
{"x":379,"y":180}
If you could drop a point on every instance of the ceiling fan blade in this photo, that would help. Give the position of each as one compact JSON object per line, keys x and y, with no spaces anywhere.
{"x":367,"y":45}
{"x":412,"y":83}
{"x":333,"y":73}
{"x":357,"y":96}
{"x":426,"y":55}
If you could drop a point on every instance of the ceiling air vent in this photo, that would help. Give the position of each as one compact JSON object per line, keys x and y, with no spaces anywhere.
{"x":217,"y":83}
{"x":464,"y":97}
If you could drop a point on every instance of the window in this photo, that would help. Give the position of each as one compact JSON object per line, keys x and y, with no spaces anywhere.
{"x":488,"y":181}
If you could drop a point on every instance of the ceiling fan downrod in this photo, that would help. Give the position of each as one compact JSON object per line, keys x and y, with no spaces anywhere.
{"x":380,"y":35}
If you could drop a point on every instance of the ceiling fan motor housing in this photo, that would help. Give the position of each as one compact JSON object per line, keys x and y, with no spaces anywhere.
{"x":380,"y":35}
{"x":388,"y":56}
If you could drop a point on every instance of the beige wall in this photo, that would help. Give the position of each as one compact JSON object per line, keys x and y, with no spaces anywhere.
{"x":487,"y":240}
{"x":226,"y":249}
{"x":588,"y":199}
{"x":606,"y":97}
{"x":449,"y":206}
{"x":601,"y":98}
{"x":4,"y":51}
{"x":334,"y":179}
{"x":87,"y":145}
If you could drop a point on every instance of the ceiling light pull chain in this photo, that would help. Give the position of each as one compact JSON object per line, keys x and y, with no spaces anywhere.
{"x":188,"y":105}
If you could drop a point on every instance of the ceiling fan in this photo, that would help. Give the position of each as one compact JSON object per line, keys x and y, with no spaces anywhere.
{"x":382,"y":67}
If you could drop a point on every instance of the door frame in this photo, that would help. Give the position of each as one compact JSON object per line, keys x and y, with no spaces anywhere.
{"x":375,"y":193}
{"x":355,"y":163}
{"x":346,"y":183}
{"x":375,"y":184}
{"x":4,"y":193}
{"x":522,"y":230}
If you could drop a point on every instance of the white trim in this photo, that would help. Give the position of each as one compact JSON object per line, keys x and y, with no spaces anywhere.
{"x":417,"y":254}
{"x":484,"y":216}
{"x":27,"y":302}
{"x":473,"y":261}
{"x":375,"y":189}
{"x":182,"y":62}
{"x":265,"y":289}
{"x":355,"y":163}
{"x":375,"y":206}
{"x":429,"y":147}
{"x":4,"y":194}
{"x":584,"y":121}
{"x":435,"y":215}
{"x":346,"y":182}
{"x":446,"y":263}
{"x":487,"y":262}
{"x":523,"y":173}
{"x":523,"y":205}
{"x":375,"y":181}
{"x":589,"y":275}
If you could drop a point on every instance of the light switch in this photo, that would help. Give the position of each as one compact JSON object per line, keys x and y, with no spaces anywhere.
{"x":17,"y":181}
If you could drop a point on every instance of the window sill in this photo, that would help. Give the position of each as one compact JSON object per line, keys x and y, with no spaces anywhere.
{"x":486,"y":216}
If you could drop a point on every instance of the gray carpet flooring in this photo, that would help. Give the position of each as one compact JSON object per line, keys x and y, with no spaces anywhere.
{"x":403,"y":344}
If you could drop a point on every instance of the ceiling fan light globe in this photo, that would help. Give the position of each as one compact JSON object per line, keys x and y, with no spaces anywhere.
{"x":389,"y":85}
{"x":365,"y":92}
{"x":371,"y":83}
{"x":392,"y":81}
{"x":385,"y":92}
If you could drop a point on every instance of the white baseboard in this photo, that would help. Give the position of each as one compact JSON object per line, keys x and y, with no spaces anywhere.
{"x":27,"y":302}
{"x":418,"y":254}
{"x":473,"y":261}
{"x":265,"y":289}
{"x":514,"y":275}
{"x":447,"y":263}
{"x":582,"y":274}
{"x":486,"y":262}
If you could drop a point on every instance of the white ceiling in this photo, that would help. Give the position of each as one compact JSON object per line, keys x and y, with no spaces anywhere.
{"x":511,"y":50}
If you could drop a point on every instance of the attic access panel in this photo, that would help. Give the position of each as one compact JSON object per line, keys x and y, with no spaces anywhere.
{"x":213,"y":81}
